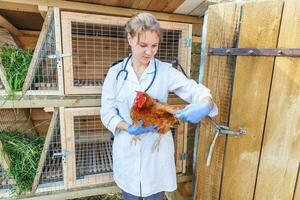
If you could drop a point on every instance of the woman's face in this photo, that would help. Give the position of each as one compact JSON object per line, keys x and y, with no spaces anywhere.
{"x":145,"y":47}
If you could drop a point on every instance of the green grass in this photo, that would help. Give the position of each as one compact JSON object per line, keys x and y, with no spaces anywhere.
{"x":16,"y":63}
{"x":23,"y":153}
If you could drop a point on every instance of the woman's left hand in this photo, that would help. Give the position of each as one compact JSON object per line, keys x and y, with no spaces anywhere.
{"x":194,"y":112}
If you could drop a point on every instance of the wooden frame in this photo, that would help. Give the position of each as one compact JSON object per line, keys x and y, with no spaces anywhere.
{"x":33,"y":65}
{"x":38,"y":188}
{"x":180,"y":147}
{"x":6,"y":89}
{"x":44,"y":152}
{"x":72,"y":182}
{"x":69,"y":140}
{"x":67,"y":18}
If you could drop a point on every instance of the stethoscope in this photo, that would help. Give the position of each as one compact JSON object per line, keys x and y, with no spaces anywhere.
{"x":126,"y":72}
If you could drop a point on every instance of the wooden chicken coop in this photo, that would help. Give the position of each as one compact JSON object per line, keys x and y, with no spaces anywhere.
{"x":60,"y":97}
{"x":246,"y":52}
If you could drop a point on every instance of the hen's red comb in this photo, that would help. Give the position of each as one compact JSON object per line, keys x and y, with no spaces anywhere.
{"x":140,"y":99}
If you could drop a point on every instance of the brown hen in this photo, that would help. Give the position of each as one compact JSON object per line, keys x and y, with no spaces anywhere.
{"x":154,"y":113}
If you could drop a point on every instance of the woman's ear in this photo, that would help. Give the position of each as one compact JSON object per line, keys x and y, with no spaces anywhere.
{"x":129,"y":38}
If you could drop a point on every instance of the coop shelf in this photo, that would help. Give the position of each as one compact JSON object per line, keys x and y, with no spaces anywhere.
{"x":96,"y":41}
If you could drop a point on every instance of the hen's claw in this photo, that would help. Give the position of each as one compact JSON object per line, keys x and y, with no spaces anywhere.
{"x":156,"y":144}
{"x":135,"y":139}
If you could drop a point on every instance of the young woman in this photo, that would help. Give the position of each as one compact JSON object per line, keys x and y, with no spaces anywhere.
{"x":139,"y":171}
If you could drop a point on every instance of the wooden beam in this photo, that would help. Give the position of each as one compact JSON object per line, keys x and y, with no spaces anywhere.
{"x":43,"y":10}
{"x":19,"y":7}
{"x":109,"y":10}
{"x":201,"y":8}
{"x":30,"y":32}
{"x":10,"y":27}
{"x":42,"y":101}
{"x":141,"y":4}
{"x":54,"y":101}
{"x":71,"y":194}
{"x":188,"y":6}
{"x":172,"y":5}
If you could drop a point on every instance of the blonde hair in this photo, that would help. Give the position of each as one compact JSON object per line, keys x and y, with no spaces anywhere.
{"x":143,"y":22}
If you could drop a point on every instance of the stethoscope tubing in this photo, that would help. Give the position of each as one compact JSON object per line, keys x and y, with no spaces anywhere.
{"x":126,"y":72}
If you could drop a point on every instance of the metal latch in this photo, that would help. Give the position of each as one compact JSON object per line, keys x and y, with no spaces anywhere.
{"x":188,"y":42}
{"x":220,"y":129}
{"x":62,"y":154}
{"x":58,"y":56}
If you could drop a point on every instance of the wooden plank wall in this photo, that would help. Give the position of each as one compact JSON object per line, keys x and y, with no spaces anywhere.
{"x":221,"y":29}
{"x":259,"y":28}
{"x":265,"y":163}
{"x":280,"y":157}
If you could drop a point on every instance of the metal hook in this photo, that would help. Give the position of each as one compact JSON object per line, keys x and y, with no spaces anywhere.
{"x":221,"y":129}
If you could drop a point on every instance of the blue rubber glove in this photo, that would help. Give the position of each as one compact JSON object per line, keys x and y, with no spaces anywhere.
{"x":194,"y":112}
{"x":137,"y":130}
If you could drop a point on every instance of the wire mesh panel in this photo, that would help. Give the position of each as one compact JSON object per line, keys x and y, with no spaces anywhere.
{"x":90,"y":144}
{"x":94,"y":48}
{"x":96,"y":41}
{"x":45,"y":70}
{"x":51,"y":177}
{"x":6,"y":183}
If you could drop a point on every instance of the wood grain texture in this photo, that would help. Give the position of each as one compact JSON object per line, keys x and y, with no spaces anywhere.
{"x":44,"y":152}
{"x":71,"y":142}
{"x":281,"y":145}
{"x":38,"y":48}
{"x":108,"y":10}
{"x":222,"y":26}
{"x":259,"y":28}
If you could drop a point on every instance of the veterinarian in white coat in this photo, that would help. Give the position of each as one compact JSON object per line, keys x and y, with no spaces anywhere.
{"x":138,"y":170}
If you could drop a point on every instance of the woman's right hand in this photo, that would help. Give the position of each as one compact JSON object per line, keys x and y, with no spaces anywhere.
{"x":137,"y":130}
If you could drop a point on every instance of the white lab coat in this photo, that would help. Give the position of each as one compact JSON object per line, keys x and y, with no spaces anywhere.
{"x":138,"y":169}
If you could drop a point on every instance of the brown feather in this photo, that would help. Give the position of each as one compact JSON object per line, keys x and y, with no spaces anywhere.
{"x":155,"y":113}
